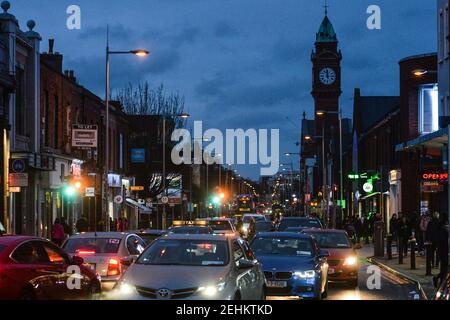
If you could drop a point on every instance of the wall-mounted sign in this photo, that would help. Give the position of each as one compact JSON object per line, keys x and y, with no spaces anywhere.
{"x":90,"y":192}
{"x":14,"y":189}
{"x":137,"y":188}
{"x":118,"y":199}
{"x":368,"y":187}
{"x":432,"y":187}
{"x":84,"y":136}
{"x":435,"y":176}
{"x":137,"y":155}
{"x":114,"y":180}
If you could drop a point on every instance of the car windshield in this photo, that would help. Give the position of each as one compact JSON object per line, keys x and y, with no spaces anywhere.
{"x":92,"y":245}
{"x":282,"y":246}
{"x":332,"y":240}
{"x":186,"y":253}
{"x":190,"y":230}
{"x":149,"y":238}
{"x":299,"y":223}
{"x":220,"y":225}
{"x":247,"y":219}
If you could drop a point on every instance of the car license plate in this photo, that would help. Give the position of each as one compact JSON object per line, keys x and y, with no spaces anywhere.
{"x":277,"y":284}
{"x":331,"y":271}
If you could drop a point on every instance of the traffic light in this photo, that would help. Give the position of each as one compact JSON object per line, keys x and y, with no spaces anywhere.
{"x":69,"y":191}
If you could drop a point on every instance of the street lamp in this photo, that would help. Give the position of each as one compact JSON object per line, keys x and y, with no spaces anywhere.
{"x":321,"y":113}
{"x":422,"y":72}
{"x":164,"y":116}
{"x":139,"y":53}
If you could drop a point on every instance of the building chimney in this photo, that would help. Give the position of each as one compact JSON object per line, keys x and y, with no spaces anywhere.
{"x":51,"y":44}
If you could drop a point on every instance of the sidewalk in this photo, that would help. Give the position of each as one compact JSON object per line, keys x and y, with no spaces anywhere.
{"x":404,"y":270}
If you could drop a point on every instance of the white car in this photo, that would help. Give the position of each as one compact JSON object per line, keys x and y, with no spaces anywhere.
{"x":102,"y":251}
{"x":193,"y":267}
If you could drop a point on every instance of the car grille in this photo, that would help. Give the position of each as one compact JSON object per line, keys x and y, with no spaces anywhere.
{"x":278,"y":275}
{"x":333,"y":263}
{"x":176,"y":294}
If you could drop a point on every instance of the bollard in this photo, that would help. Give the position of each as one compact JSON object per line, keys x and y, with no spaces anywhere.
{"x":400,"y":250}
{"x":428,"y":258}
{"x":413,"y":253}
{"x":389,"y":246}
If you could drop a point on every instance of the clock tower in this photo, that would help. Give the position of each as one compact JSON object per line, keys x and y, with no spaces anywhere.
{"x":326,"y":59}
{"x":326,"y":90}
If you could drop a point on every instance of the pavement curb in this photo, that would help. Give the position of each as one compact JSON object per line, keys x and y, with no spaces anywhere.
{"x":399,"y":274}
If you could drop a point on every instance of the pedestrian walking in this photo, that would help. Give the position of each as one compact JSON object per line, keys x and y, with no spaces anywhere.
{"x":82,"y":225}
{"x":358,"y":229}
{"x":432,"y":236}
{"x":58,"y":235}
{"x":125,"y":224}
{"x":404,"y":233}
{"x":423,"y":225}
{"x":393,"y":226}
{"x":442,"y":250}
{"x":67,"y":228}
{"x":120,"y":224}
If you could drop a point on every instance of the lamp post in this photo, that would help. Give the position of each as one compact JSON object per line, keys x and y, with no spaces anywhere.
{"x":139,"y":53}
{"x":341,"y":176}
{"x":164,"y":117}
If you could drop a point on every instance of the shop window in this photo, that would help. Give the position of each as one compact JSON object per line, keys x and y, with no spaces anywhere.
{"x":428,"y":109}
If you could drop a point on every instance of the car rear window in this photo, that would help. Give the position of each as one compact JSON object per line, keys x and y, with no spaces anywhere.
{"x":299,"y":223}
{"x":220,"y":225}
{"x":87,"y":246}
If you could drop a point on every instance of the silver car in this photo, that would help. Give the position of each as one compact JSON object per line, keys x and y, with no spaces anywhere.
{"x":193,"y":267}
{"x":102,"y":251}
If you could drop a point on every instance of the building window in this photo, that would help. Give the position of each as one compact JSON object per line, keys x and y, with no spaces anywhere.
{"x":20,"y":102}
{"x":46,"y":114}
{"x":428,"y":109}
{"x":55,"y":123}
{"x":121,"y":151}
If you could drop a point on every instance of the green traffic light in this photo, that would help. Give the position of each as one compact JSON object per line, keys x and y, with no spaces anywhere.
{"x":69,"y":191}
{"x":216,"y":200}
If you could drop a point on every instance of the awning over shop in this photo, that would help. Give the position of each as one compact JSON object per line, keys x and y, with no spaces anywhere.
{"x":135,"y":204}
{"x":436,"y":139}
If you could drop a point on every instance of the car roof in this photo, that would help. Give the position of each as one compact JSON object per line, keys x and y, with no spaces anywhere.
{"x":149,"y":231}
{"x":317,"y":230}
{"x":101,"y":235}
{"x":298,"y":218}
{"x":284,"y":234}
{"x":208,"y":237}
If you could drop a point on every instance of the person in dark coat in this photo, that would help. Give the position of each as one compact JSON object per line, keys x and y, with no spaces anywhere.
{"x":432,"y":235}
{"x":403,"y":232}
{"x":393,"y":226}
{"x":443,"y":250}
{"x":358,"y":229}
{"x":82,"y":225}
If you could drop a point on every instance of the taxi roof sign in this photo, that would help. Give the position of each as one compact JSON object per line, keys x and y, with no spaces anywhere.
{"x":179,"y":223}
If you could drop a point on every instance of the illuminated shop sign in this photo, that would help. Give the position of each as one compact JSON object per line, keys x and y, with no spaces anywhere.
{"x":434,"y":176}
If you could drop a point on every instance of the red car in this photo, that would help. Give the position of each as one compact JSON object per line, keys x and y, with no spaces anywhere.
{"x":34,"y":268}
{"x":343,"y":259}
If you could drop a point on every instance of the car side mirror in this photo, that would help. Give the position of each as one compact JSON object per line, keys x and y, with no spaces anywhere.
{"x":245,"y":264}
{"x":324,"y":254}
{"x":77,"y":261}
{"x":127,"y":261}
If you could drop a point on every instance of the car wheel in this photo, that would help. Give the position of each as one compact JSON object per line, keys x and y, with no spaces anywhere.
{"x":353,"y":283}
{"x":27,"y":294}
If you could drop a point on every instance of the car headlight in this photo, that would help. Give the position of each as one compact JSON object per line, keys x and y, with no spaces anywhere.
{"x":305,"y":274}
{"x":211,"y":291}
{"x":350,"y":261}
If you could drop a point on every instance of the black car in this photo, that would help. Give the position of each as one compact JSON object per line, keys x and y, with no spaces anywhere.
{"x":299,"y":222}
{"x":149,"y":235}
{"x":264,"y":226}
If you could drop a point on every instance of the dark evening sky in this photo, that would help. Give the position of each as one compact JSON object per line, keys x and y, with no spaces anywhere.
{"x":239,"y":63}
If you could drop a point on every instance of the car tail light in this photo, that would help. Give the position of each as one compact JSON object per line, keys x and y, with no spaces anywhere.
{"x":83,"y":252}
{"x":113,"y":267}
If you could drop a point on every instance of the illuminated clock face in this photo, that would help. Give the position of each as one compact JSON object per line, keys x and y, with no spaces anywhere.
{"x":327,"y":76}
